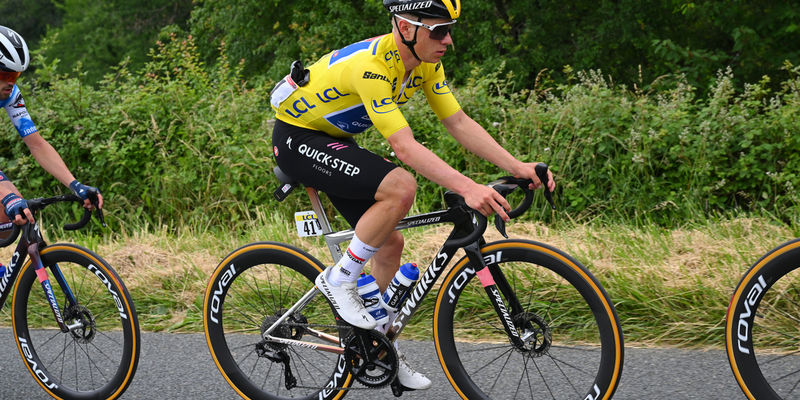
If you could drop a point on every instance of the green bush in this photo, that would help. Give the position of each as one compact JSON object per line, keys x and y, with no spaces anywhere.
{"x":180,"y":143}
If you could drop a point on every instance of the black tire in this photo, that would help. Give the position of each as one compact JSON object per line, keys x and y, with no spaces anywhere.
{"x":92,"y":363}
{"x":557,"y":294}
{"x":247,"y":291}
{"x":761,"y":328}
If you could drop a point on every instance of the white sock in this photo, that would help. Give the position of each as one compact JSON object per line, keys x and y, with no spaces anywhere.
{"x":350,"y":265}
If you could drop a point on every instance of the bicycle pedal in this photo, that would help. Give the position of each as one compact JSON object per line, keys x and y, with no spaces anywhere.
{"x":398,"y":388}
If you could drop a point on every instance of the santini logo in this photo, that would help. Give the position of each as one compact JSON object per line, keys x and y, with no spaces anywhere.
{"x":372,"y":75}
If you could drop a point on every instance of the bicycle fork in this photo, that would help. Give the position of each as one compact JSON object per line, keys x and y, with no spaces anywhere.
{"x":44,"y":280}
{"x":493,"y":289}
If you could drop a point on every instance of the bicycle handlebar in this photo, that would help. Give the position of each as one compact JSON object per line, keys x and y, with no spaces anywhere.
{"x":40,"y":203}
{"x":505,"y":186}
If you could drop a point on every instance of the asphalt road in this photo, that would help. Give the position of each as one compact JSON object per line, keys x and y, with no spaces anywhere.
{"x":178,"y":366}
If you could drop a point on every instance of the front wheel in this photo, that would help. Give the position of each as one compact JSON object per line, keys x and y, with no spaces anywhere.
{"x":572,"y":345}
{"x":762,"y":328}
{"x":98,"y":357}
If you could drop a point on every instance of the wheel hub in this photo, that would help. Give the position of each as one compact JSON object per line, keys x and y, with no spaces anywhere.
{"x":86,"y":332}
{"x":535,"y":333}
{"x":292,"y":328}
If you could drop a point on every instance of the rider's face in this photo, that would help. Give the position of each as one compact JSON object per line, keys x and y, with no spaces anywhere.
{"x":7,"y":81}
{"x":5,"y":89}
{"x":429,"y":49}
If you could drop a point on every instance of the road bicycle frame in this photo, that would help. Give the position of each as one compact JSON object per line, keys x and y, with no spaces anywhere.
{"x":467,"y":233}
{"x":29,"y":245}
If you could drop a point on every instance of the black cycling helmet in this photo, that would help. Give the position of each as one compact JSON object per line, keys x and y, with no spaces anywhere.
{"x":14,"y":56}
{"x":447,"y":9}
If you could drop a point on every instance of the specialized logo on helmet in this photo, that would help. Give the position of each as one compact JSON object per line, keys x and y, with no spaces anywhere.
{"x":426,"y":8}
{"x":15,"y":39}
{"x":410,"y":6}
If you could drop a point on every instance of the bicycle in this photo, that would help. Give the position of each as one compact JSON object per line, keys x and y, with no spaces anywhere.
{"x":85,"y":346}
{"x":761,"y":326}
{"x":542,"y":325}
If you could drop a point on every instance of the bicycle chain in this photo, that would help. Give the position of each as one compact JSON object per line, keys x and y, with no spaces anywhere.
{"x":339,"y":327}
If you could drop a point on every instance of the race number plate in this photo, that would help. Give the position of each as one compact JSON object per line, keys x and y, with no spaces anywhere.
{"x":307,"y":224}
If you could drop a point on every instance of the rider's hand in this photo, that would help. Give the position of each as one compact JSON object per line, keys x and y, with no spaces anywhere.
{"x":84,"y":192}
{"x":486,"y":201}
{"x":528,"y":171}
{"x":17,"y":209}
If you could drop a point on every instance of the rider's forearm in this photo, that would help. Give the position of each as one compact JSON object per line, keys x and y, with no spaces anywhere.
{"x":428,"y":164}
{"x":478,"y":141}
{"x":7,"y":187}
{"x":50,"y":160}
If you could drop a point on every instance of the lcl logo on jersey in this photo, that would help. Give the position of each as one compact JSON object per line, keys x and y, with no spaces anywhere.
{"x":386,"y":105}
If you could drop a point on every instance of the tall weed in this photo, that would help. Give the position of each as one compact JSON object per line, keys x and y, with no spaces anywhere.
{"x":182,"y":143}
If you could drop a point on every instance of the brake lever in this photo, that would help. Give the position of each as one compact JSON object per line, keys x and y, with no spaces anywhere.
{"x":98,"y":211}
{"x":500,"y":225}
{"x":541,"y":172}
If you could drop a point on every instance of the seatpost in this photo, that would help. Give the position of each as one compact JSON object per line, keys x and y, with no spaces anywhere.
{"x":316,"y":205}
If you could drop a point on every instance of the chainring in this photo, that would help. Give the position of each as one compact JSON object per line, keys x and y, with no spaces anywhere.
{"x":371,"y":357}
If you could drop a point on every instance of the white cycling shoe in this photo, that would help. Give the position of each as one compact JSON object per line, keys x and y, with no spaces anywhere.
{"x":346,"y":301}
{"x":409,"y":378}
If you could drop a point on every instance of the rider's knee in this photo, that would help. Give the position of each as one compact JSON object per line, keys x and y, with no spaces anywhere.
{"x":400,"y":186}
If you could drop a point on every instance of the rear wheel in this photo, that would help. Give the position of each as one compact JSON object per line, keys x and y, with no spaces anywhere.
{"x":573,"y":346}
{"x":248,"y":292}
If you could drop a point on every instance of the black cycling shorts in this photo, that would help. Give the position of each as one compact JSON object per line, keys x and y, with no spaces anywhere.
{"x":348,"y":174}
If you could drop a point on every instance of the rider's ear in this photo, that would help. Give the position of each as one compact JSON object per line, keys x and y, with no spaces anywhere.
{"x":403,"y":26}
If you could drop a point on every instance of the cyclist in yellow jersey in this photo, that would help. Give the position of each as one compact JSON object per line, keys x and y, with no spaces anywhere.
{"x":361,"y":85}
{"x":322,"y":109}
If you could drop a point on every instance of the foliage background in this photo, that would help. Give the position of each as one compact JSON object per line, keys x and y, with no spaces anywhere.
{"x":656,"y":111}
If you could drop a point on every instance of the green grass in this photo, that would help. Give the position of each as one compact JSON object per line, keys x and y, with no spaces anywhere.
{"x":670,"y":287}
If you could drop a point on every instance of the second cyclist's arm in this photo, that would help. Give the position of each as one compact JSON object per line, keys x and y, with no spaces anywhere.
{"x":48,"y":158}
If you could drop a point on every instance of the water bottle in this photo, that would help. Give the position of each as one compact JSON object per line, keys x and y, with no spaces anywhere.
{"x":371,"y":295}
{"x":400,"y":286}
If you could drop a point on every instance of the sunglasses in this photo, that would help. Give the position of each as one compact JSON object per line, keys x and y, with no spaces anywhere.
{"x":9,"y":76}
{"x":438,"y":31}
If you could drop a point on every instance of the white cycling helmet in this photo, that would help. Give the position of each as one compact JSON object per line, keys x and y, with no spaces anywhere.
{"x":14,"y":54}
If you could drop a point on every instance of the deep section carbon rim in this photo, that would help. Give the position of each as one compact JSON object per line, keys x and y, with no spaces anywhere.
{"x":763,"y":326}
{"x":573,"y":343}
{"x":96,"y":360}
{"x":247,"y":293}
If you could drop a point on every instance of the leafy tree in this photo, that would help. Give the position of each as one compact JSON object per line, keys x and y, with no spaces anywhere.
{"x":30,"y":18}
{"x":101,"y":34}
{"x":268,"y":35}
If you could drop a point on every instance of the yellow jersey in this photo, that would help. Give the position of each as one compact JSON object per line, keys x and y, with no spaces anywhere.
{"x":358,"y":86}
